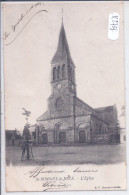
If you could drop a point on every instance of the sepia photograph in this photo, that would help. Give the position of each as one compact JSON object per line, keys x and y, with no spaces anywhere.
{"x":64,"y":96}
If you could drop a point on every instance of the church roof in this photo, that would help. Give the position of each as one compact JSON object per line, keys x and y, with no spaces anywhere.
{"x":90,"y":109}
{"x":101,"y":109}
{"x":62,"y":51}
{"x":44,"y":116}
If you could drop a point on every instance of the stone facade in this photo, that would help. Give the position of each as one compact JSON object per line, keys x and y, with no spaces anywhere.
{"x":68,"y":119}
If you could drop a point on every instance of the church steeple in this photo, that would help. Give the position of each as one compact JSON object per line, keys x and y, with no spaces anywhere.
{"x":62,"y":51}
{"x":63,"y":68}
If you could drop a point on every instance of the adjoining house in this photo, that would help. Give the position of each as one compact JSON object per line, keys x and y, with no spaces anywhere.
{"x":122,"y":126}
{"x":13,"y":137}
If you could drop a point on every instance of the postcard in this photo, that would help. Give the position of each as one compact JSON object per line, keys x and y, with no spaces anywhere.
{"x":64,"y":96}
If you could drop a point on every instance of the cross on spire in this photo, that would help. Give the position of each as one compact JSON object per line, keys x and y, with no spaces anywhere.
{"x":62,"y":15}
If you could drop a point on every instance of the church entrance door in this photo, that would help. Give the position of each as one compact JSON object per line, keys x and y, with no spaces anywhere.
{"x":82,"y":137}
{"x":45,"y":138}
{"x":62,"y":137}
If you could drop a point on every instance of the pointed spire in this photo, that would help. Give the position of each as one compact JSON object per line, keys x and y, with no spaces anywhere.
{"x":62,"y":51}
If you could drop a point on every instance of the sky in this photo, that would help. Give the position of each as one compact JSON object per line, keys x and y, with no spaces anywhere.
{"x":99,"y":61}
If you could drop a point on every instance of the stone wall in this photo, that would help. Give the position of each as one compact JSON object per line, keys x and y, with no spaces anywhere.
{"x":53,"y":127}
{"x":79,"y":103}
{"x":61,"y":103}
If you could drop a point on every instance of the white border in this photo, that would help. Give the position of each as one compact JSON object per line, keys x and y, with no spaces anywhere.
{"x":3,"y":192}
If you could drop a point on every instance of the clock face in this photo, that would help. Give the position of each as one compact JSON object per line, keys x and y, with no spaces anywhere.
{"x":59,"y":86}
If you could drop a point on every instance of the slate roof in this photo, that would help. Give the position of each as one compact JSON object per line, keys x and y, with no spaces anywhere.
{"x":62,"y":51}
{"x":103,"y":109}
{"x":44,"y":116}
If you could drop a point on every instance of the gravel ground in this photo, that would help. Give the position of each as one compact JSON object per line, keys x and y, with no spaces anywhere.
{"x":59,"y":155}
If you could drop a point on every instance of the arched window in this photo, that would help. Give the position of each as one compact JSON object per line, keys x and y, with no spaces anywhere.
{"x":63,"y":71}
{"x":54,"y":73}
{"x":59,"y":127}
{"x":58,"y":72}
{"x":70,"y":72}
{"x":42,"y":129}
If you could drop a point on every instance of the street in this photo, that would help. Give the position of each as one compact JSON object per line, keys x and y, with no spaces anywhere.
{"x":59,"y":155}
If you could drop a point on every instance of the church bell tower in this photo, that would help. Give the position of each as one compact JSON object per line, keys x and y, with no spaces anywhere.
{"x":62,"y":65}
{"x":62,"y":78}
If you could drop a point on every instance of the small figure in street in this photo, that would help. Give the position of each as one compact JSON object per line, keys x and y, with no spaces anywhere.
{"x":25,"y":143}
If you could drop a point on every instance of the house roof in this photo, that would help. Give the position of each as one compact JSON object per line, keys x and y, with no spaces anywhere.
{"x":62,"y":51}
{"x":10,"y":131}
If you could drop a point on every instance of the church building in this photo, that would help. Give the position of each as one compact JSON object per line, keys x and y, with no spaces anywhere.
{"x":68,"y":119}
